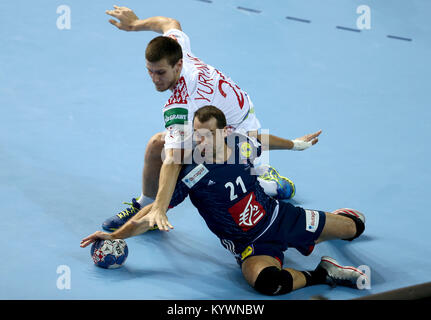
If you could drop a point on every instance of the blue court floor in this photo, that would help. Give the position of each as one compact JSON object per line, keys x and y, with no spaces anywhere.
{"x":77,"y":108}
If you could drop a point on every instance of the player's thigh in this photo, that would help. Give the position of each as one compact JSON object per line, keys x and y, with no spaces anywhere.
{"x":252,"y":266}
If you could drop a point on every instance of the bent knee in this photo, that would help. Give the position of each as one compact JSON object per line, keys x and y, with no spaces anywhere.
{"x":156,"y":143}
{"x":273,"y":281}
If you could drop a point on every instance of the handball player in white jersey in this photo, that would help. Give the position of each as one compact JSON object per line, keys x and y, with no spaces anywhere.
{"x":172,"y":66}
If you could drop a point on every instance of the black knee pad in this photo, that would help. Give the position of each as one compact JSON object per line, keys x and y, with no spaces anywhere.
{"x":273,"y":281}
{"x":360,"y":226}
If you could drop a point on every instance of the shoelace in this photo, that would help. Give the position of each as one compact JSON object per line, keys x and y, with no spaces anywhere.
{"x":128,"y":211}
{"x":270,"y":175}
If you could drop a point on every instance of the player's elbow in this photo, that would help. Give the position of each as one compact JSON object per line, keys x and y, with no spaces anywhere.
{"x":172,"y":23}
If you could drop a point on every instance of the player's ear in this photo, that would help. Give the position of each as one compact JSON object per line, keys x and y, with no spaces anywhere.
{"x":226,"y":131}
{"x":179,"y":65}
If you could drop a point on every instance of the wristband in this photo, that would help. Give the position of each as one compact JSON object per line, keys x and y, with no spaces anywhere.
{"x":299,"y":145}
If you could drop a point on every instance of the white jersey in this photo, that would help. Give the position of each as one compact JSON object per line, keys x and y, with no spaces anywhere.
{"x":200,"y":85}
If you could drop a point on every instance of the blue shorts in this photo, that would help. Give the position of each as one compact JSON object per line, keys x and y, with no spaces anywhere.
{"x":294,"y":227}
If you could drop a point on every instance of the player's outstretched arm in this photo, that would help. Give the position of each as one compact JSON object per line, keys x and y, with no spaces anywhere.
{"x":271,"y":142}
{"x":128,"y":21}
{"x":129,"y":229}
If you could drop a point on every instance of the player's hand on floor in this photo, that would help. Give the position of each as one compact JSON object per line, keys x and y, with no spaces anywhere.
{"x":95,"y":236}
{"x":127,"y":17}
{"x":158,"y":217}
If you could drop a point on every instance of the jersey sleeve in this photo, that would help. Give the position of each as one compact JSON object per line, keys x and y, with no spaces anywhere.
{"x":178,"y":117}
{"x":181,"y":38}
{"x":179,"y":136}
{"x":180,"y":193}
{"x":179,"y":130}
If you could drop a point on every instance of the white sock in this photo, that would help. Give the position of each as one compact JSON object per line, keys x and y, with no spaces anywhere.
{"x":270,"y":187}
{"x":144,"y":200}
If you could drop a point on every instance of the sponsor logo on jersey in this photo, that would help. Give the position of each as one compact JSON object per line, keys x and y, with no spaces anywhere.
{"x":247,"y":212}
{"x":175,"y":116}
{"x":210,"y":183}
{"x":311,"y":220}
{"x":246,"y":149}
{"x":195,"y":175}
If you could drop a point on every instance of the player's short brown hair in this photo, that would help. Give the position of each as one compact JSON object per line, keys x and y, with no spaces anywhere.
{"x":162,"y":47}
{"x":207,"y":112}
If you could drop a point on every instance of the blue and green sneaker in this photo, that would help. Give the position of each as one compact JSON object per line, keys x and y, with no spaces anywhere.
{"x":285,"y":187}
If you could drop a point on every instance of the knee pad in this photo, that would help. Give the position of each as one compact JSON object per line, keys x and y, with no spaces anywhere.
{"x":273,"y":281}
{"x":360,"y":226}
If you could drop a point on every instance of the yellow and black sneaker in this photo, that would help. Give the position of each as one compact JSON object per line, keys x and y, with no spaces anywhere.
{"x":121,"y":218}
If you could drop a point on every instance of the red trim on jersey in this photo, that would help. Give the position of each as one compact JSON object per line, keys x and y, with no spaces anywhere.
{"x":310,"y":250}
{"x":173,"y":37}
{"x":281,"y":263}
{"x":180,"y":93}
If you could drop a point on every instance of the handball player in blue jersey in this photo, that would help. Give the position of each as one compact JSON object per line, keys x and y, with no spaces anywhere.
{"x":220,"y":180}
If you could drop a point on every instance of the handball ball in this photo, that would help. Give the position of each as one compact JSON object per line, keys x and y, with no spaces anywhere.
{"x":109,"y":254}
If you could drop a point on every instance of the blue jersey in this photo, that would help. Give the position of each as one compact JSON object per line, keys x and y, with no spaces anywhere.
{"x":228,"y":196}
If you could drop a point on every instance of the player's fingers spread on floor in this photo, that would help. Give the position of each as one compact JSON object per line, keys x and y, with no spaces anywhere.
{"x":162,"y":226}
{"x":168,"y":226}
{"x":165,"y":223}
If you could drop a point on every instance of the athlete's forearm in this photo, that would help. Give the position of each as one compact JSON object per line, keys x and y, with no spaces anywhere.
{"x":157,"y":24}
{"x":271,"y":142}
{"x":130,"y":229}
{"x":167,"y":181}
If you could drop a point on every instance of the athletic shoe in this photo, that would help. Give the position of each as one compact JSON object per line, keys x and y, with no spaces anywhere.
{"x":340,"y":275}
{"x":121,"y":218}
{"x":350,"y":212}
{"x":285,"y":187}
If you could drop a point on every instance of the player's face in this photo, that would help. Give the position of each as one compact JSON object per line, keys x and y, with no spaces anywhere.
{"x":208,"y":136}
{"x":163,"y":75}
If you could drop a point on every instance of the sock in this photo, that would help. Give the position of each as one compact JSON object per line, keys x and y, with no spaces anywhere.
{"x":259,"y":168}
{"x":314,"y":277}
{"x":144,"y":200}
{"x":270,"y":187}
